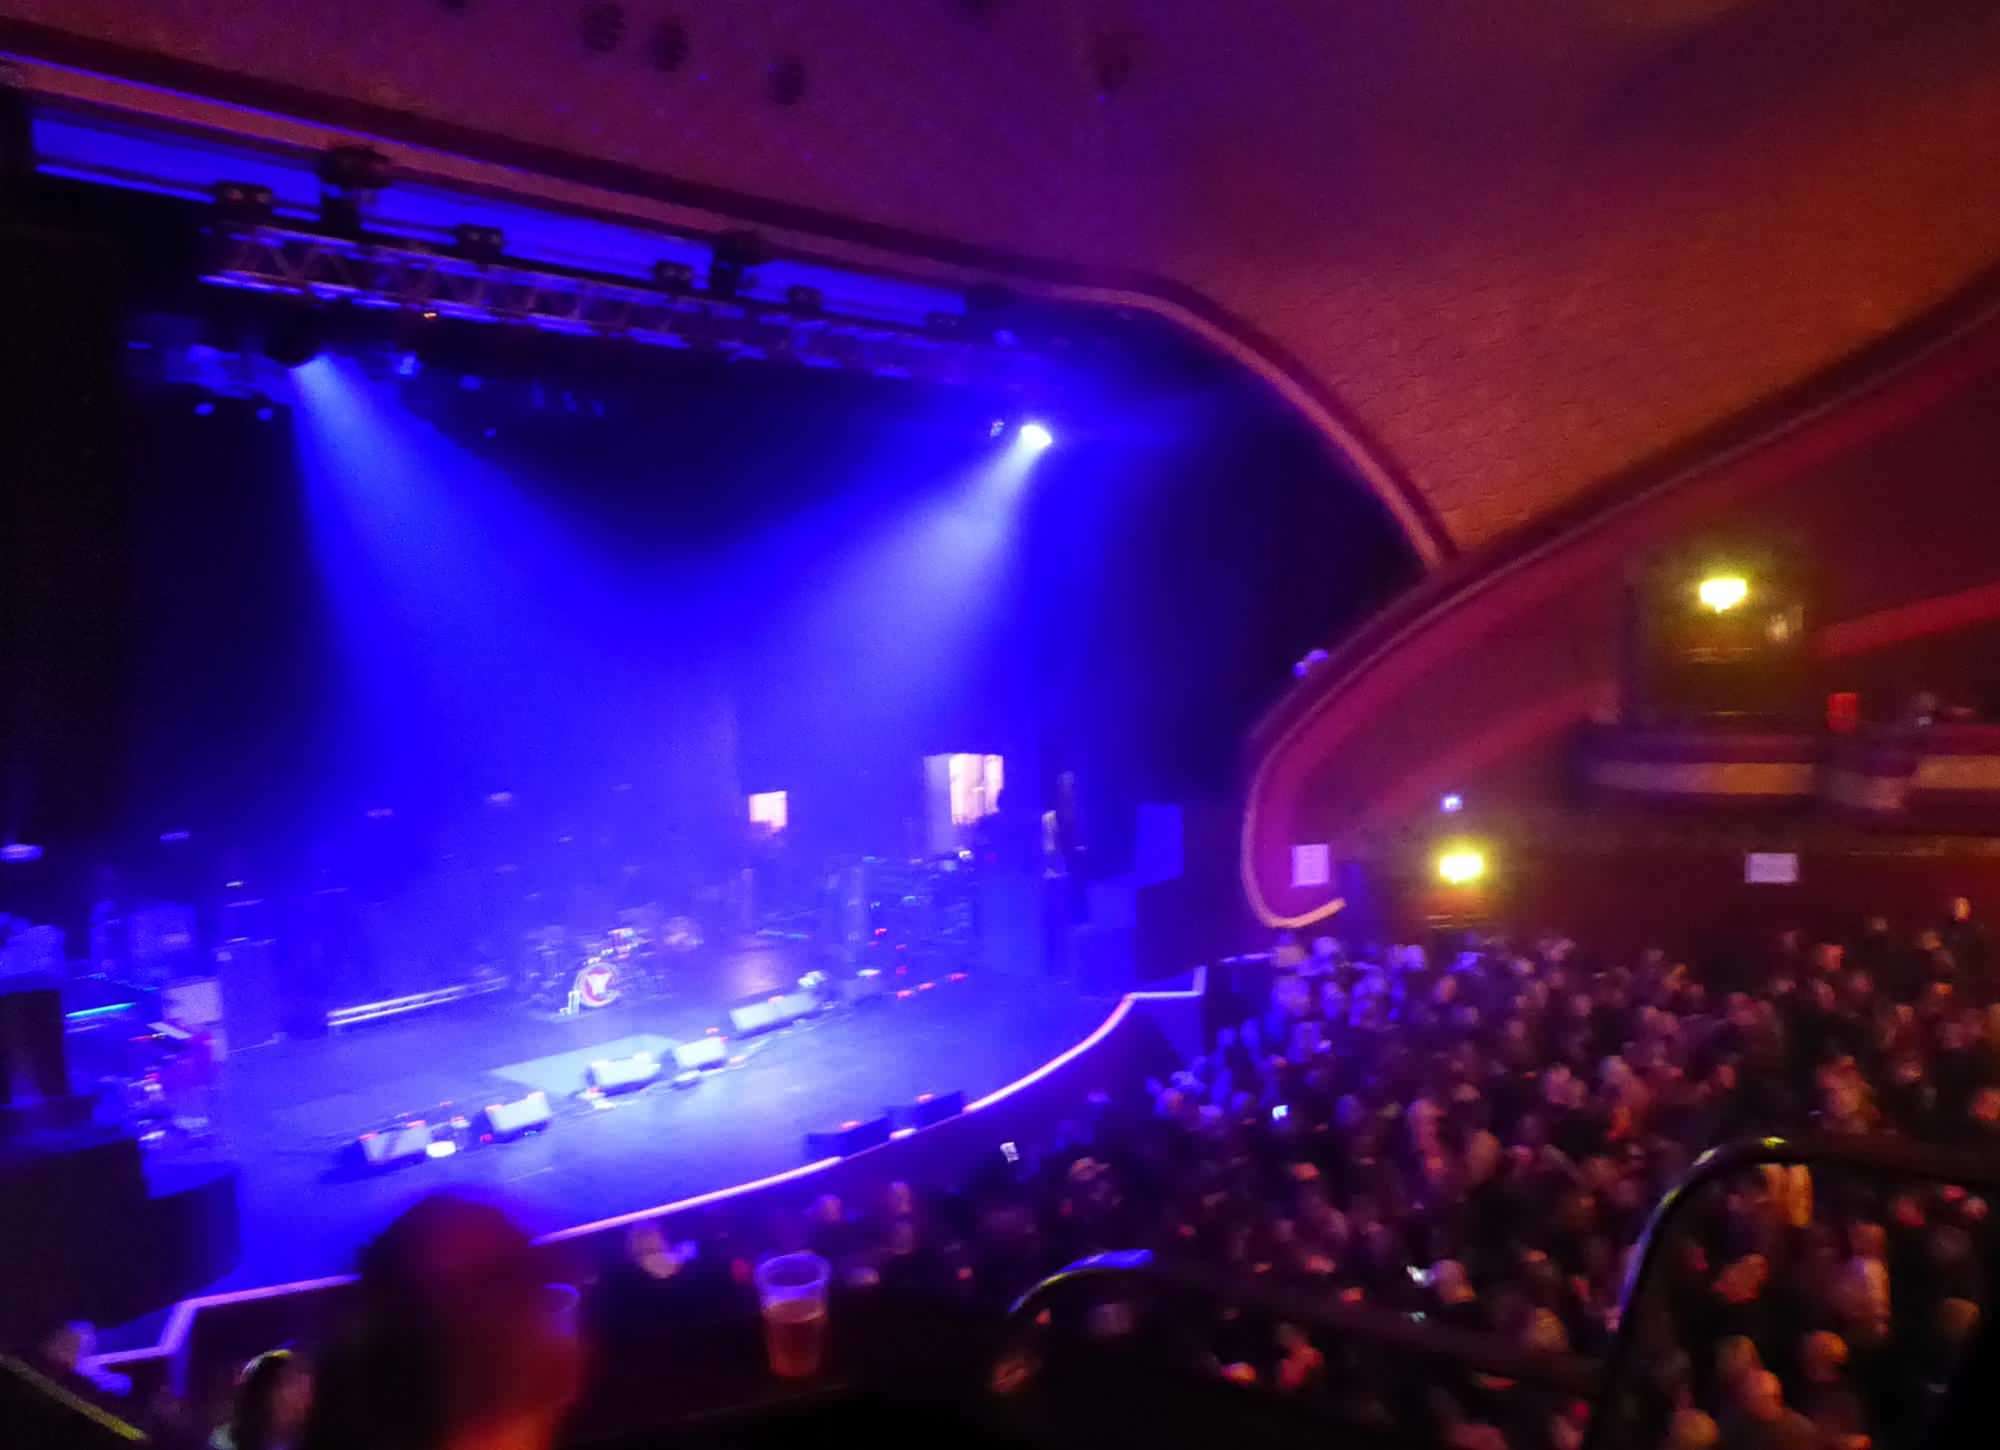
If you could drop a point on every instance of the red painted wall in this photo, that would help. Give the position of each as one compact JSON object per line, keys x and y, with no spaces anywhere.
{"x":1890,"y":495}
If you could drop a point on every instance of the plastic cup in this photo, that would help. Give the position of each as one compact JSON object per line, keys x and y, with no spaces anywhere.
{"x":791,"y":1294}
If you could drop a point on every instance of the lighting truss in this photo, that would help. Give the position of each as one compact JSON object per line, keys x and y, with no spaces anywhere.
{"x":407,"y":276}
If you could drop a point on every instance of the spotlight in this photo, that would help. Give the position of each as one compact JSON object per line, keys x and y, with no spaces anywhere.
{"x":243,"y":201}
{"x":731,"y":259}
{"x":349,"y":178}
{"x":294,"y":340}
{"x":477,"y":243}
{"x":1720,"y":593}
{"x":1461,"y":866}
{"x":674,"y":277}
{"x":1035,"y":437}
{"x":1452,"y":803}
{"x":20,"y":851}
{"x":998,"y":427}
{"x":204,"y":408}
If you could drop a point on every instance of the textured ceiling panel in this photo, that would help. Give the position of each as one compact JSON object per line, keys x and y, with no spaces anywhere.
{"x":1524,"y":245}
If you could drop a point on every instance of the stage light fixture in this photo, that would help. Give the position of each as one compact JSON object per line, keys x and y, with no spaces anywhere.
{"x":1720,"y":593}
{"x":674,"y":277}
{"x":478,"y":243}
{"x":349,"y":178}
{"x":243,"y":201}
{"x":1035,"y":437}
{"x":1461,"y":865}
{"x":294,"y":340}
{"x":18,"y":851}
{"x":731,"y":259}
{"x":1452,"y":803}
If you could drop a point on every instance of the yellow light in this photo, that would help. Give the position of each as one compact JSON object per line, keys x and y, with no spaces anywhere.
{"x":1722,"y":592}
{"x":1461,"y":866}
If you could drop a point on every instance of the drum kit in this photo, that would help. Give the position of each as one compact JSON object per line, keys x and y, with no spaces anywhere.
{"x":573,"y":973}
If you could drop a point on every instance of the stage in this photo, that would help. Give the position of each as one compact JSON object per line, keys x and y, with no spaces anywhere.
{"x":288,"y":1108}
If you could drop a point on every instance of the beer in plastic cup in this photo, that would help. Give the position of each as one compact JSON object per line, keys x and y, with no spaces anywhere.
{"x":791,"y":1292}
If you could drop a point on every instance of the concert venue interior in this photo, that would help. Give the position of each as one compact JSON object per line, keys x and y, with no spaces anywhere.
{"x":951,"y":717}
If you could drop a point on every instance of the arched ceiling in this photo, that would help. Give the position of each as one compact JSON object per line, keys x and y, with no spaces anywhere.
{"x":1513,"y":248}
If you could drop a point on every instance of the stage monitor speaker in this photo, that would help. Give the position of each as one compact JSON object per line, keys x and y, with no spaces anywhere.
{"x":849,"y":1137}
{"x":929,"y":1108}
{"x":703,"y":1052}
{"x":868,"y":984}
{"x":530,"y":1114}
{"x":794,"y":1005}
{"x":772,"y":1012}
{"x":393,"y":1147}
{"x":622,"y":1074}
{"x":754,"y":1017}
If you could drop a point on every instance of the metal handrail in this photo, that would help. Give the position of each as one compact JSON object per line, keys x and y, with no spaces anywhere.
{"x":1581,"y":1375}
{"x":1478,"y":1350}
{"x":1878,"y":1157}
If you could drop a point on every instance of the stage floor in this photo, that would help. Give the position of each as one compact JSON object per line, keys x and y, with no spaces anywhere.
{"x":288,"y":1108}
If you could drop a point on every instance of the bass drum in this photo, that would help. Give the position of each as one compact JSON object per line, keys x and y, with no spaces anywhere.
{"x":596,"y":985}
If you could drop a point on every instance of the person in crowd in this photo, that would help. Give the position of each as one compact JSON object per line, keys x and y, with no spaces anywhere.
{"x":273,"y":1396}
{"x":1476,"y":1135}
{"x":459,"y":1342}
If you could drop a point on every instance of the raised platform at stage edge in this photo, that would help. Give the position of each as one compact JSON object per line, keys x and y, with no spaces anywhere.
{"x":289,"y":1109}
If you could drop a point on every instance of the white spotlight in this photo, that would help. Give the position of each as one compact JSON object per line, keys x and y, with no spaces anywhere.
{"x":1035,"y":437}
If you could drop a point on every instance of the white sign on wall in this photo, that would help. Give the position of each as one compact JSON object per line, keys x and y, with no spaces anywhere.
{"x":1771,"y":868}
{"x":1312,"y":865}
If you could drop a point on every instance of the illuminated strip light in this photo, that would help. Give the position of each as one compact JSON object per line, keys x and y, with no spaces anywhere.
{"x":416,"y":1002}
{"x":181,"y":1321}
{"x":1104,"y":1030}
{"x":76,"y":1404}
{"x":700,"y":1200}
{"x":87,"y":1014}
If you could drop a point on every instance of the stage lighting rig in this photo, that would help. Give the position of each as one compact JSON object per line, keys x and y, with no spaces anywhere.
{"x":243,"y":201}
{"x":477,"y":243}
{"x":674,"y":277}
{"x":731,"y":259}
{"x":350,"y":177}
{"x":294,"y":339}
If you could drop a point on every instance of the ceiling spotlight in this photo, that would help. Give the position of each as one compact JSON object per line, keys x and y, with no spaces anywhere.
{"x":1461,"y":866}
{"x":477,"y":243}
{"x":294,"y":339}
{"x":729,"y":264}
{"x":1452,"y":803}
{"x":1720,"y":593}
{"x":1035,"y":437}
{"x":20,"y":851}
{"x":243,"y":201}
{"x":349,"y":178}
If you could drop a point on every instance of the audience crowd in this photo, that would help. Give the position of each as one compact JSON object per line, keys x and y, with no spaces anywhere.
{"x":1474,"y":1135}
